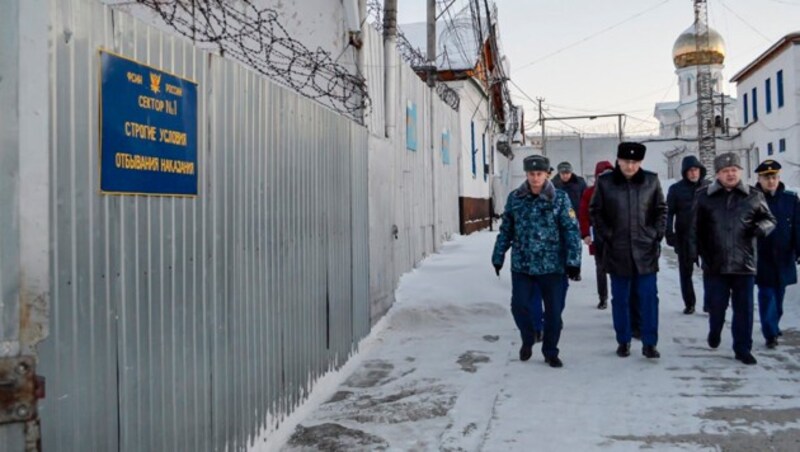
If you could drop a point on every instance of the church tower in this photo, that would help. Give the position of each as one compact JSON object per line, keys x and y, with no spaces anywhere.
{"x":679,"y":119}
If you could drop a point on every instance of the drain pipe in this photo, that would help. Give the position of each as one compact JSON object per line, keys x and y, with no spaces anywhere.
{"x":390,"y":66}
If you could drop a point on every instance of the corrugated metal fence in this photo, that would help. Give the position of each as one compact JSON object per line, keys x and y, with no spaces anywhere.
{"x":197,"y":323}
{"x":414,"y":193}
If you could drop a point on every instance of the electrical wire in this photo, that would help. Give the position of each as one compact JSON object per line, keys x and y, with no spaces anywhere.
{"x":591,"y":36}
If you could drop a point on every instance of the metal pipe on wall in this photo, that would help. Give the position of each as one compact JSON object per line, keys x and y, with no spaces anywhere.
{"x":390,"y":65}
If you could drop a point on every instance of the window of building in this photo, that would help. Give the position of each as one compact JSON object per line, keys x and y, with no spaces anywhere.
{"x":745,"y":105}
{"x":688,"y":86}
{"x":768,"y":95}
{"x":485,"y":166}
{"x":473,"y":149}
{"x":770,"y":150}
{"x":754,"y":94}
{"x":779,"y":82}
{"x":782,"y":145}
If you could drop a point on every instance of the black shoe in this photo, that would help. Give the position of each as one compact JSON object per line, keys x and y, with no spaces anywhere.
{"x":554,"y":361}
{"x":624,"y":350}
{"x":713,"y":340}
{"x":688,"y":310}
{"x":780,"y":333}
{"x":525,"y":352}
{"x":636,"y":333}
{"x":772,"y":343}
{"x":650,"y":352}
{"x":602,"y":305}
{"x":538,"y":336}
{"x":746,"y":358}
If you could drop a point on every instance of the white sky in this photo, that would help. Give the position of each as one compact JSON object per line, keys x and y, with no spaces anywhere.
{"x":627,"y":68}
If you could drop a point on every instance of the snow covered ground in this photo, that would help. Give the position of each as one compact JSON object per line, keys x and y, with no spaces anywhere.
{"x":441,"y":372}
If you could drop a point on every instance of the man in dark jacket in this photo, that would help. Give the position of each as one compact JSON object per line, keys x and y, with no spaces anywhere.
{"x":726,"y":219}
{"x":629,"y":213}
{"x":571,"y":183}
{"x":540,"y":223}
{"x":680,"y":198}
{"x":777,"y":252}
{"x":594,"y":243}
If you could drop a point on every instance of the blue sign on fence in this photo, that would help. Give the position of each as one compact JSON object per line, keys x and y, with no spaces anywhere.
{"x":148,"y":124}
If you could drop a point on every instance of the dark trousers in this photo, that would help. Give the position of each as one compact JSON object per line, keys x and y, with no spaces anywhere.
{"x":527,"y":309}
{"x":738,"y":290}
{"x":770,"y":309}
{"x":685,"y":269}
{"x":602,"y":277}
{"x":646,"y":290}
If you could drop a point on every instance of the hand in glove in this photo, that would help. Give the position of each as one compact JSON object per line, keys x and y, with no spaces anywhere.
{"x":574,"y":273}
{"x":497,"y":269}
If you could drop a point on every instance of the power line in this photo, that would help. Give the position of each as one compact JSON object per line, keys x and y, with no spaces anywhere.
{"x":593,"y":35}
{"x":742,"y":19}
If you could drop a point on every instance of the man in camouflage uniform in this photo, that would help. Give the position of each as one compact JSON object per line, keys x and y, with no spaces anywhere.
{"x":541,"y":224}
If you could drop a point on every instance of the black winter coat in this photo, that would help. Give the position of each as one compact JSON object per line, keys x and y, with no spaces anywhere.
{"x":724,"y":227}
{"x":574,"y":188}
{"x":680,"y":198}
{"x":778,"y":252}
{"x":630,"y":216}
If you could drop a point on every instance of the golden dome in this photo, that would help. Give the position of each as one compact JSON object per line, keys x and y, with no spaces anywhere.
{"x":685,"y":53}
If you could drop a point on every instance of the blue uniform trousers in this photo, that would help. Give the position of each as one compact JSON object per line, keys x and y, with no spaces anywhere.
{"x":644,"y":287}
{"x":770,"y":309}
{"x":738,"y":290}
{"x":527,"y":309}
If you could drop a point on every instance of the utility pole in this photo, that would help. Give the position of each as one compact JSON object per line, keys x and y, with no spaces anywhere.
{"x":541,"y":123}
{"x":705,"y":90}
{"x":619,"y":127}
{"x":722,"y":114}
{"x":432,"y":73}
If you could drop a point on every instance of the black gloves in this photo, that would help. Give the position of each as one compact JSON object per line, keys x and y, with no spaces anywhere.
{"x":671,"y":240}
{"x":574,"y":273}
{"x":497,"y":268}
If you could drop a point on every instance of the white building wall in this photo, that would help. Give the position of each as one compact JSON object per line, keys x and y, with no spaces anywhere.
{"x":782,"y":122}
{"x":474,"y":114}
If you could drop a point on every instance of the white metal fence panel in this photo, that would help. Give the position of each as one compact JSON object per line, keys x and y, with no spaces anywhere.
{"x":197,"y":323}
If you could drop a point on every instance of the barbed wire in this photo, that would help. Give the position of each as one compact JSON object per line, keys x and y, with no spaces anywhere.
{"x":254,"y":36}
{"x":412,"y":55}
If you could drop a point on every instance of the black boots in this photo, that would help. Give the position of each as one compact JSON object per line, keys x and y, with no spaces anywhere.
{"x":553,"y":361}
{"x":772,"y":343}
{"x":650,"y":352}
{"x":746,"y":358}
{"x":603,"y":304}
{"x":688,"y":310}
{"x":624,"y":350}
{"x":713,"y":340}
{"x":525,"y":352}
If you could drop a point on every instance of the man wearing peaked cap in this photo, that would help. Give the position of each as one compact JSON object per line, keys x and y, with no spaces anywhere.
{"x":535,"y":214}
{"x":628,"y":212}
{"x":726,"y":218}
{"x":778,"y":252}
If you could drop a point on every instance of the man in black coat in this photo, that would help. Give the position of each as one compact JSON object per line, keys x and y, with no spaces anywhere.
{"x":727,"y":218}
{"x":629,"y":212}
{"x":571,"y":183}
{"x":680,"y":198}
{"x":778,"y":252}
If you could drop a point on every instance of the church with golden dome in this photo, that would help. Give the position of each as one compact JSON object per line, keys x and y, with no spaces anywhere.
{"x":678,"y":119}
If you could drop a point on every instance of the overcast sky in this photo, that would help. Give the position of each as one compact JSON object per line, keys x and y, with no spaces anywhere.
{"x":612,"y":56}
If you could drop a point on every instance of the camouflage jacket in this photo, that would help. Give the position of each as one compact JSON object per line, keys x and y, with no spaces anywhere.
{"x":541,"y":231}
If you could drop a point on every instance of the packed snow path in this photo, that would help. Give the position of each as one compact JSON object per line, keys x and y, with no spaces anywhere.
{"x":442,"y":373}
